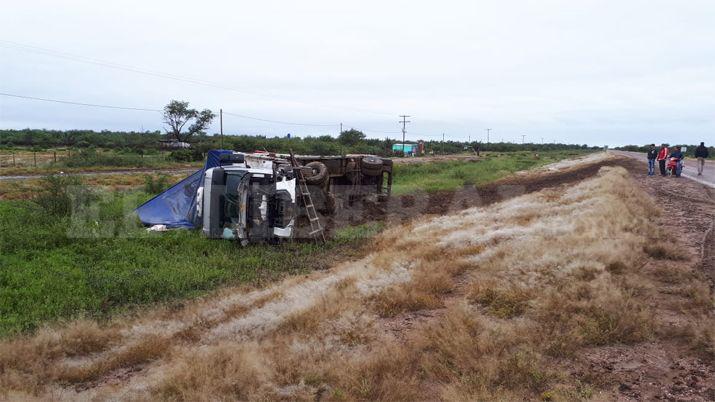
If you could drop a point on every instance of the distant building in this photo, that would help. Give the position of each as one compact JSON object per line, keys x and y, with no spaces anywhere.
{"x":174,"y":144}
{"x":408,"y":149}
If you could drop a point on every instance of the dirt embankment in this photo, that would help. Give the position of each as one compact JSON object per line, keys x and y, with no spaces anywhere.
{"x":412,"y":206}
{"x":578,"y":291}
{"x":677,"y":362}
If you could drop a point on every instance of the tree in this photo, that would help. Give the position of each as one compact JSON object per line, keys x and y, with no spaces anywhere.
{"x":177,"y":114}
{"x":388,"y":145}
{"x":351,"y":137}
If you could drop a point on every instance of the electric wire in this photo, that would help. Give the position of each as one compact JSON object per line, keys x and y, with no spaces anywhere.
{"x":160,"y":74}
{"x":141,"y":109}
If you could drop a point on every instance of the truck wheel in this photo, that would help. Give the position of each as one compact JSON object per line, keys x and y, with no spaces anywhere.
{"x":371,"y":166}
{"x":317,"y":174}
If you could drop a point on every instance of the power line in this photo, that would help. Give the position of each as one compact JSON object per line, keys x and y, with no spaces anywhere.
{"x":279,"y":122}
{"x":141,"y":109}
{"x":79,"y":103}
{"x":151,"y":110}
{"x":159,"y":74}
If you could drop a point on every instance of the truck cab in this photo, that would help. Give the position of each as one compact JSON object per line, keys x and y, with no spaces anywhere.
{"x":248,"y":198}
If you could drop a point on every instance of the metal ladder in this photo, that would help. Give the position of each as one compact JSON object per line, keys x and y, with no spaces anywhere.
{"x":316,"y":229}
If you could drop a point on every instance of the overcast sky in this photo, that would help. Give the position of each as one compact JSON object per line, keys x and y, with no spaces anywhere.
{"x":596,"y":72}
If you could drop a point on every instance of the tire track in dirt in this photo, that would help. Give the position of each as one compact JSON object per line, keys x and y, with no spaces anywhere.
{"x":707,"y":251}
{"x":668,"y":367}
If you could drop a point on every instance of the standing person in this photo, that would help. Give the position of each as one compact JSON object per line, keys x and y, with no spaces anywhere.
{"x":701,"y":152}
{"x":662,"y":156}
{"x":652,"y":154}
{"x":678,"y":155}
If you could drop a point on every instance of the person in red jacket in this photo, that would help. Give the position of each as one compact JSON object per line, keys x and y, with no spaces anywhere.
{"x":662,"y":156}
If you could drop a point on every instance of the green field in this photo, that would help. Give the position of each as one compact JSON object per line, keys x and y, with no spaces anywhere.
{"x":53,"y":267}
{"x":18,"y":161}
{"x":451,"y":175}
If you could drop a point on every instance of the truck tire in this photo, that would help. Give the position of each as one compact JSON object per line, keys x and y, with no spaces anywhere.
{"x":318,"y":173}
{"x":371,"y":166}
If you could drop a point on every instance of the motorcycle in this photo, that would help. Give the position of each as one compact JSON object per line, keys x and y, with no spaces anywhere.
{"x":672,"y":166}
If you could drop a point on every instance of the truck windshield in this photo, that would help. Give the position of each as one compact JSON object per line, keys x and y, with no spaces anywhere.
{"x":232,"y":206}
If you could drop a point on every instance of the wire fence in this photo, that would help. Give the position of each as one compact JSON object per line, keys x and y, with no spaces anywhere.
{"x":32,"y":158}
{"x":72,"y":157}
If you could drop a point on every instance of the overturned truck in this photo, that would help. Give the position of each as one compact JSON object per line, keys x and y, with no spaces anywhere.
{"x":256,"y":197}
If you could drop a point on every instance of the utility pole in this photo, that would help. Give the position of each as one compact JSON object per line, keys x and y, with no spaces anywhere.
{"x":488,"y":130}
{"x":522,"y":138}
{"x":404,"y":130}
{"x":443,"y":143}
{"x":341,"y":128}
{"x":220,"y":118}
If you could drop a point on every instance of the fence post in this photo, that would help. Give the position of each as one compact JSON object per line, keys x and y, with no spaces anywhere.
{"x":34,"y":158}
{"x":13,"y":158}
{"x":54,"y":156}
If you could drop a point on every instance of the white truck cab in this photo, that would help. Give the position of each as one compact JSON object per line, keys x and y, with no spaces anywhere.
{"x":249,"y":197}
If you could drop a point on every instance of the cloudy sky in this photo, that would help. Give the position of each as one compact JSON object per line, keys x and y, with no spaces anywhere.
{"x":596,"y":72}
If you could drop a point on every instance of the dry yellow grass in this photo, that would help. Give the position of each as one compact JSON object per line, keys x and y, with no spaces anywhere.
{"x":512,"y":287}
{"x":665,"y":251}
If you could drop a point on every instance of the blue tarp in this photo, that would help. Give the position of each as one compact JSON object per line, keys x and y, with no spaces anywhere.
{"x":176,"y":207}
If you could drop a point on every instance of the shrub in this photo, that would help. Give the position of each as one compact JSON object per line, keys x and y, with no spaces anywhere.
{"x":155,"y":184}
{"x":59,"y":193}
{"x":186,"y":155}
{"x":91,"y":157}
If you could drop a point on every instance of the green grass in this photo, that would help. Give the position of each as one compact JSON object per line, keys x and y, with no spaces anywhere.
{"x":409,"y":178}
{"x":54,"y":268}
{"x":46,"y":274}
{"x":88,"y":159}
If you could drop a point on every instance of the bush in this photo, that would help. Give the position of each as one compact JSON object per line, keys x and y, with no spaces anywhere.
{"x":91,"y":157}
{"x":155,"y":184}
{"x":59,"y":193}
{"x":186,"y":155}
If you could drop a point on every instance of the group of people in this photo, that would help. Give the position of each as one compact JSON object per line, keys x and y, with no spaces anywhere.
{"x":673,"y":159}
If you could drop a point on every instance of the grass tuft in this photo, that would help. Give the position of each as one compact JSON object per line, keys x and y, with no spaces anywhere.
{"x":506,"y":302}
{"x":665,"y":251}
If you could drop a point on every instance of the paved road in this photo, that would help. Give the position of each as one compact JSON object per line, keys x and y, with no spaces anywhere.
{"x":689,"y":170}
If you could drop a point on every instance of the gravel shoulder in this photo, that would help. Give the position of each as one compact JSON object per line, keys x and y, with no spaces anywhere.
{"x":689,"y":169}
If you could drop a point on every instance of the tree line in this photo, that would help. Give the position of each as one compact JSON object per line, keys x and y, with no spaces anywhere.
{"x":185,"y":124}
{"x":349,"y":141}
